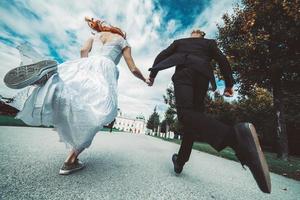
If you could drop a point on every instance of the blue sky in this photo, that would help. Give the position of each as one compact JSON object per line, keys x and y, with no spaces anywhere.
{"x":182,"y":10}
{"x":56,"y":29}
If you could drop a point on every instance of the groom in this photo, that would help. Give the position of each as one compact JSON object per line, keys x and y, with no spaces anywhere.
{"x":192,"y":57}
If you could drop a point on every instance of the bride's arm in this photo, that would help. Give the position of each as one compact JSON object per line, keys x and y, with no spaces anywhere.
{"x":131,"y":65}
{"x":86,"y":48}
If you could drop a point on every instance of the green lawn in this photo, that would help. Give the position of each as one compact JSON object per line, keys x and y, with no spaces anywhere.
{"x":11,"y":121}
{"x":290,"y":168}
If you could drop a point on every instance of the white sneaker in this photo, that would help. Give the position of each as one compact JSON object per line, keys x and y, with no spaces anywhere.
{"x":67,"y":169}
{"x":25,"y":75}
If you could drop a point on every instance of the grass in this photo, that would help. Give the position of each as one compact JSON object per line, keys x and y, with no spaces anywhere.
{"x":290,"y":168}
{"x":11,"y":121}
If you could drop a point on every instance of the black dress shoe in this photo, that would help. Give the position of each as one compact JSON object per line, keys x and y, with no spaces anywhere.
{"x":177,"y":167}
{"x":249,"y":153}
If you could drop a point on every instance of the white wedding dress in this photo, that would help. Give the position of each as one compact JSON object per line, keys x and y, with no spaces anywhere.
{"x":80,"y":98}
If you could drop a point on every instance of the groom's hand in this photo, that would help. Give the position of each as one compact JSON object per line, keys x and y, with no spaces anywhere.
{"x":228,"y":92}
{"x":150,"y":81}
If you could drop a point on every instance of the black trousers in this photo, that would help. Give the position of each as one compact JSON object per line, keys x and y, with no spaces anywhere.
{"x":190,"y":90}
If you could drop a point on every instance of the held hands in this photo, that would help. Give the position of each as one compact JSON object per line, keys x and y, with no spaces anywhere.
{"x":228,"y":92}
{"x":149,"y":81}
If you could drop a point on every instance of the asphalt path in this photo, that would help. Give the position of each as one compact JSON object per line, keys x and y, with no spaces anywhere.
{"x":122,"y":166}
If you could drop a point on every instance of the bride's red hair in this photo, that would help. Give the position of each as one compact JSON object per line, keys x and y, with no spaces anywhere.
{"x":99,"y":26}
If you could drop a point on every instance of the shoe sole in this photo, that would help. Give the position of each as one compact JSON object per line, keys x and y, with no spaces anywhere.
{"x":67,"y":172}
{"x":261,"y":175}
{"x":25,"y":75}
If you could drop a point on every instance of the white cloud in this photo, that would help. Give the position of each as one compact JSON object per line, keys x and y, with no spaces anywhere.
{"x":212,"y":15}
{"x":138,"y":18}
{"x":9,"y":59}
{"x":172,"y":25}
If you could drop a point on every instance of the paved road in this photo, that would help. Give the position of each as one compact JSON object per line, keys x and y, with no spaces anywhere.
{"x":121,"y":166}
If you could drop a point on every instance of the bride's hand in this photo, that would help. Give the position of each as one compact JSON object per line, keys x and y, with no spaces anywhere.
{"x":149,"y":81}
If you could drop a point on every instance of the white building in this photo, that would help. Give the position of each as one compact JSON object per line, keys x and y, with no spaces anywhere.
{"x":123,"y":123}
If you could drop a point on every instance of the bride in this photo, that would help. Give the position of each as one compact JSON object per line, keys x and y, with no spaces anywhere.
{"x":80,"y":97}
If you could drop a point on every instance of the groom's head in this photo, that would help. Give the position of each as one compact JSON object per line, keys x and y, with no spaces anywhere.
{"x":197,"y":33}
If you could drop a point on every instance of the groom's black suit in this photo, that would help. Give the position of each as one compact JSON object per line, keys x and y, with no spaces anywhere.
{"x":192,"y":58}
{"x":194,"y":53}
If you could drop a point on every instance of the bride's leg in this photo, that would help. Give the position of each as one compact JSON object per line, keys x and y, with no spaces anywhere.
{"x":77,"y":153}
{"x":71,"y":164}
{"x":73,"y":156}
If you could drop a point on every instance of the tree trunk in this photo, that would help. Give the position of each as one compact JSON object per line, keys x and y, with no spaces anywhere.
{"x":175,"y":135}
{"x":167,"y":130}
{"x":281,"y":134}
{"x":158,"y":131}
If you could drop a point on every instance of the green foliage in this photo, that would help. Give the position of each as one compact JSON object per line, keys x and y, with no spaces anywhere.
{"x":170,"y":114}
{"x":163,"y":125}
{"x":261,"y":38}
{"x":10,"y":121}
{"x":256,"y":108}
{"x":289,"y":169}
{"x":261,"y":41}
{"x":218,"y":108}
{"x":153,"y":121}
{"x":170,"y":99}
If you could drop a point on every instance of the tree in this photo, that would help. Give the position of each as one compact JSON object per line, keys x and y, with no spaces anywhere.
{"x":163,"y":126}
{"x":168,"y":123}
{"x":261,"y":40}
{"x":257,"y":108}
{"x":153,"y":121}
{"x":172,"y":122}
{"x":219,"y":109}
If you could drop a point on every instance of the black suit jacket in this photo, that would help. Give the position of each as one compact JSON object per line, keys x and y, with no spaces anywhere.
{"x":196,"y":53}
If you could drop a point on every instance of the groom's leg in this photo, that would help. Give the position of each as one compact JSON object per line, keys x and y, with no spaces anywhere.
{"x":205,"y":128}
{"x":199,"y":91}
{"x":185,"y":148}
{"x":184,"y":94}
